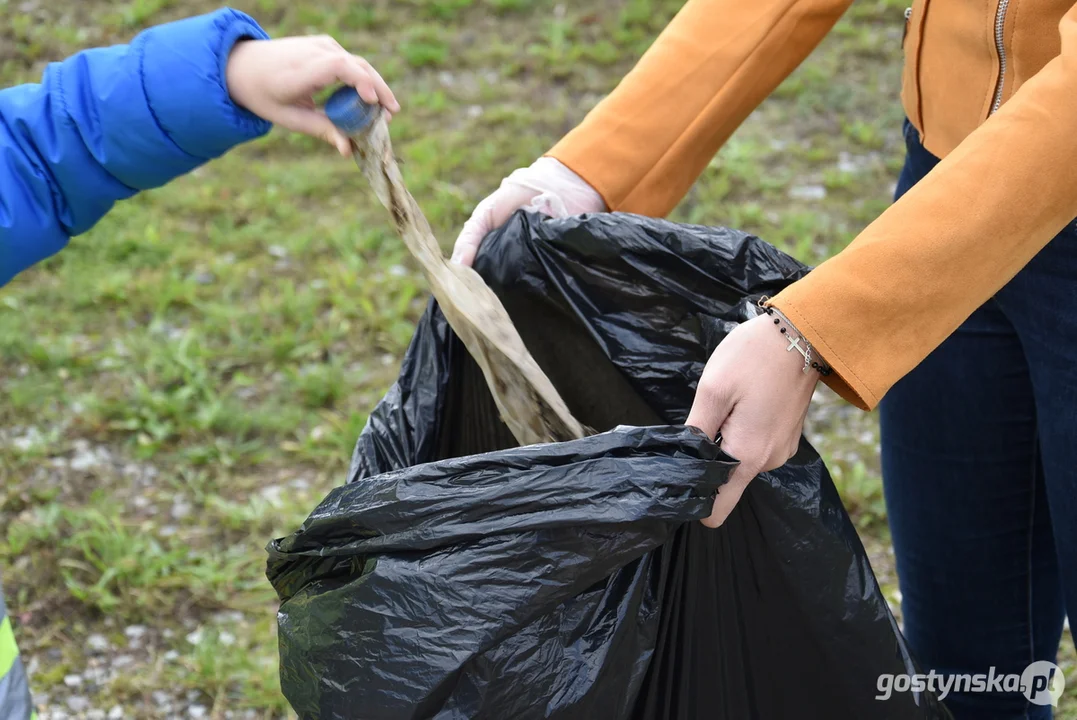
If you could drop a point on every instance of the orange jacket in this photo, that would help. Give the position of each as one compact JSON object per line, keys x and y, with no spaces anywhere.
{"x":1005,"y":187}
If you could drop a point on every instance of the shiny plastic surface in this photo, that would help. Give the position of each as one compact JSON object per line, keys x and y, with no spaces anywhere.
{"x":458,"y":576}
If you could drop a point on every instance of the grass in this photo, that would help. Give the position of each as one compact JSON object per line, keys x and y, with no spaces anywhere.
{"x":187,"y":380}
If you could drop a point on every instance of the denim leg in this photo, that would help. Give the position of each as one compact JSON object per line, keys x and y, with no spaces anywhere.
{"x":968,"y":515}
{"x":1042,"y":303}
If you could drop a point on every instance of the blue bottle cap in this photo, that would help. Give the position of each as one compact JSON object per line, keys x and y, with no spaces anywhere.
{"x":349,"y":112}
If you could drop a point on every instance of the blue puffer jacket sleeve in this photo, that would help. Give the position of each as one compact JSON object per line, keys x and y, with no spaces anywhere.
{"x":109,"y":122}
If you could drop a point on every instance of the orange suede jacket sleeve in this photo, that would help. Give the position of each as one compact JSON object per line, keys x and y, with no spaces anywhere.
{"x":876,"y":309}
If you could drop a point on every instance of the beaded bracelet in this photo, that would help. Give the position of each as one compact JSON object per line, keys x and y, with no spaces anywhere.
{"x":797,"y":341}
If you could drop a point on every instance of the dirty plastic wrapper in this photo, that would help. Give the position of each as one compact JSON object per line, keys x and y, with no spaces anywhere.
{"x":456,"y":575}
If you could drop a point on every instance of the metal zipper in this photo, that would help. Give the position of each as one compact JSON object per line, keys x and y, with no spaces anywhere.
{"x":1000,"y":46}
{"x":905,"y":32}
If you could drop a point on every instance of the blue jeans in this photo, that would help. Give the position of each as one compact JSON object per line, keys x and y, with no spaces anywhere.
{"x":979,"y":456}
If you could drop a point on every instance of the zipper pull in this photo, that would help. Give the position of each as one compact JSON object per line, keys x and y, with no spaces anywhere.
{"x":905,"y":32}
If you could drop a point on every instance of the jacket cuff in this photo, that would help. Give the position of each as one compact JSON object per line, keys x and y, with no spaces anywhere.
{"x":183,"y":74}
{"x":843,"y":380}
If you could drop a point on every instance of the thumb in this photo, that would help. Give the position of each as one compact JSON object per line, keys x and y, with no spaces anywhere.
{"x":314,"y":123}
{"x":712,"y":405}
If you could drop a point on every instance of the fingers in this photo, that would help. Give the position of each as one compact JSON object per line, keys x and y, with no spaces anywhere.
{"x":353,"y":70}
{"x":756,"y":452}
{"x":729,"y":495}
{"x":544,"y":187}
{"x":316,"y":124}
{"x":489,"y":215}
{"x":385,"y":94}
{"x":475,"y":229}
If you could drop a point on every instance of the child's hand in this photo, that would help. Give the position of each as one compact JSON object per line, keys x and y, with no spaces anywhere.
{"x":276,"y":80}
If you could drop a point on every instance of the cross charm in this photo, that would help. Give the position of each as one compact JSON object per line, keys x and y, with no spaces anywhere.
{"x":794,"y":342}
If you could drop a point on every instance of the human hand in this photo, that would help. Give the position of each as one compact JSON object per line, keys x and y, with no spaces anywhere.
{"x":277,"y":79}
{"x":546,"y":186}
{"x":756,"y":395}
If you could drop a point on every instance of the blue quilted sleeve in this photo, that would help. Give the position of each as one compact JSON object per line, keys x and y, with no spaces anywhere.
{"x":108,"y":122}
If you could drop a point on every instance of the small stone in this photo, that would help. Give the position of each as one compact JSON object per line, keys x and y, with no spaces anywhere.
{"x":171,"y":655}
{"x":135,"y":632}
{"x":116,"y":713}
{"x":226,"y":638}
{"x":78,"y":703}
{"x":807,"y":192}
{"x":277,"y":251}
{"x":195,"y":637}
{"x":122,"y":661}
{"x":160,"y":698}
{"x":96,"y":675}
{"x":197,"y":711}
{"x":205,"y":278}
{"x":87,"y":457}
{"x":228,"y":617}
{"x":847,"y":163}
{"x":398,"y":271}
{"x":73,"y":680}
{"x":474,"y":111}
{"x":95,"y":714}
{"x":29,"y":439}
{"x":180,"y":509}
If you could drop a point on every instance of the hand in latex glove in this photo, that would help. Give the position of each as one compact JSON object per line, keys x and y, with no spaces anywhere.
{"x":546,"y":186}
{"x":756,"y":395}
{"x":277,"y":79}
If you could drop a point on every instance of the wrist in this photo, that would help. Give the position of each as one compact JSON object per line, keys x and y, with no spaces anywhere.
{"x":234,"y":75}
{"x":813,"y":363}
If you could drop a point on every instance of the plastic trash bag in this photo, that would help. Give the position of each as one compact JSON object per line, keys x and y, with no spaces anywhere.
{"x":459,"y":576}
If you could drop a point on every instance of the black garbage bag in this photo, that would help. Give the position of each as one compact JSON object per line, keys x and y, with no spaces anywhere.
{"x":459,"y":576}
